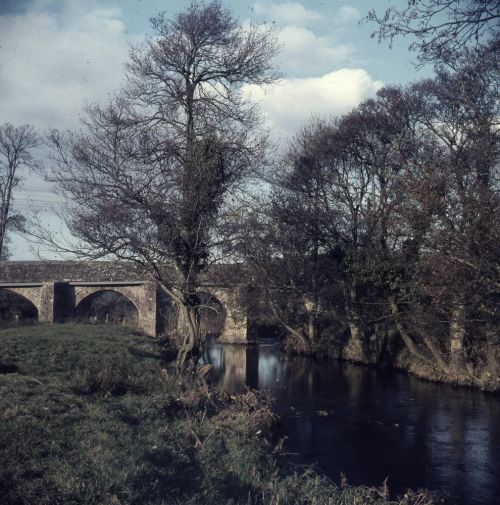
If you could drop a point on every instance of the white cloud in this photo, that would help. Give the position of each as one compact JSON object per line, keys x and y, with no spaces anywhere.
{"x":55,"y":57}
{"x":290,"y":103}
{"x":53,"y":61}
{"x":346,"y":14}
{"x":290,"y":12}
{"x":305,"y":53}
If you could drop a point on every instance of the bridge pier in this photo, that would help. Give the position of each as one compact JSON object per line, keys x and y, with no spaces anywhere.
{"x":235,"y":329}
{"x":46,"y":305}
{"x":147,"y":309}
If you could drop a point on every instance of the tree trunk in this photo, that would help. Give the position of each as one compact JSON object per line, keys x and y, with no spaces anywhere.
{"x":408,"y":341}
{"x":457,"y":337}
{"x":312,"y":309}
{"x":353,"y":350}
{"x":304,"y":343}
{"x":436,"y":354}
{"x":435,"y":357}
{"x":5,"y":201}
{"x":188,"y":326}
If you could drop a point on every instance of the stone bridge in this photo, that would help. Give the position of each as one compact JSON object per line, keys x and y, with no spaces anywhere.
{"x":56,"y":289}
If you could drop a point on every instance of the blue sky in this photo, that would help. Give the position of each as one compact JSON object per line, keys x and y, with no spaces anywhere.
{"x":57,"y":55}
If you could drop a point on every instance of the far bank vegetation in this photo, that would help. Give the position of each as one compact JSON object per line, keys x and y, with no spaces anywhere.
{"x":379,"y":241}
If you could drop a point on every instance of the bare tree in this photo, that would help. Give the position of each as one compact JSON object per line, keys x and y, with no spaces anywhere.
{"x":16,"y":144}
{"x":442,"y":27}
{"x":153,"y":176}
{"x":330,"y":214}
{"x":282,"y":241}
{"x":387,"y":217}
{"x":460,"y":269}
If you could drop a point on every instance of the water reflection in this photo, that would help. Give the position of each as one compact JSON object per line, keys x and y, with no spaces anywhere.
{"x":370,"y":425}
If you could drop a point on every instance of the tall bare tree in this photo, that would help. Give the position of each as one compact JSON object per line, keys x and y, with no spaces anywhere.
{"x":286,"y":235}
{"x":154,"y":175}
{"x":16,"y":144}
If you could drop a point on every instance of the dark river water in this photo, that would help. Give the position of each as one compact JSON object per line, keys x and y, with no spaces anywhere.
{"x":372,"y":424}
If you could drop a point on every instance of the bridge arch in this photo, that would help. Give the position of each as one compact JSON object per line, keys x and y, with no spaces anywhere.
{"x":84,"y":292}
{"x":16,"y":305}
{"x":31,"y":294}
{"x":107,"y":305}
{"x":142,"y":295}
{"x":232,"y":322}
{"x":41,"y":295}
{"x":236,"y":322}
{"x":212,"y":313}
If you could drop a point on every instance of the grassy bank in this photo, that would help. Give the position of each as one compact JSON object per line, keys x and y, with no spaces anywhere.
{"x":93,"y":415}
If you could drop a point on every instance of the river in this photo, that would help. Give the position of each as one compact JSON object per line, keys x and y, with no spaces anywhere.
{"x":371,"y":424}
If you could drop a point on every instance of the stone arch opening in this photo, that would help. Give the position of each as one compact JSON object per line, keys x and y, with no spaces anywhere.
{"x":107,"y":306}
{"x":16,"y":309}
{"x":212,"y":315}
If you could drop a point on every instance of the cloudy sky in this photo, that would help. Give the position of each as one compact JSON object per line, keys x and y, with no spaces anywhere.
{"x":57,"y":55}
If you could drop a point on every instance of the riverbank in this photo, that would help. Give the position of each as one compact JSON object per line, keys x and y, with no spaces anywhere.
{"x":483,"y":377}
{"x":93,"y":415}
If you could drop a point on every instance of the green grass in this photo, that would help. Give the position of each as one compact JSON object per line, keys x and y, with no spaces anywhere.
{"x":93,"y":415}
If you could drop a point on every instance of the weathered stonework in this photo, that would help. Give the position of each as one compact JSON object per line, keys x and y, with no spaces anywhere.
{"x":142,"y":295}
{"x":236,"y":324}
{"x":56,"y":288}
{"x":40,"y":295}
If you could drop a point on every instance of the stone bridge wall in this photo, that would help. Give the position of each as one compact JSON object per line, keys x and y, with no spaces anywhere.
{"x":236,"y":324}
{"x":50,"y":271}
{"x":56,"y":288}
